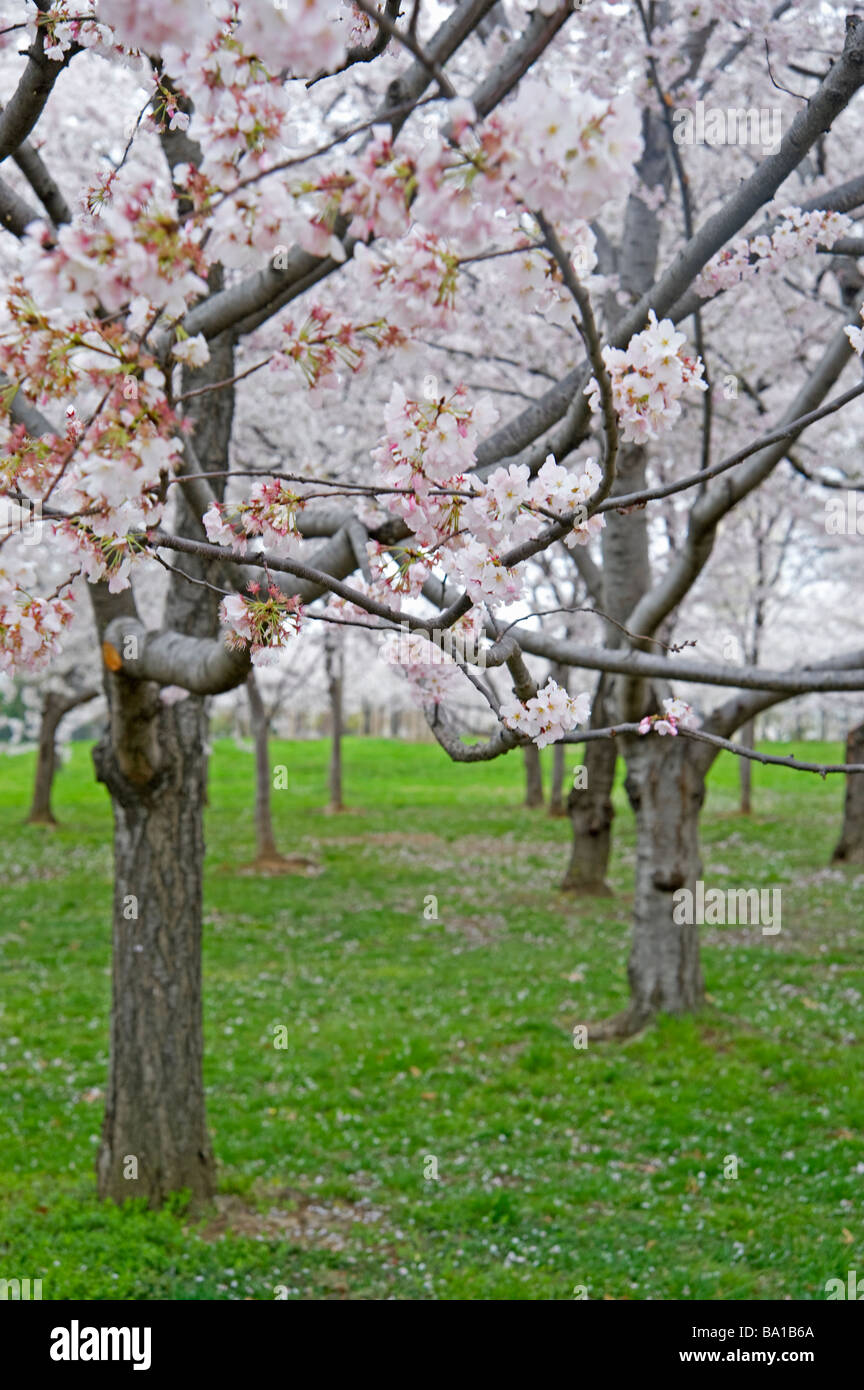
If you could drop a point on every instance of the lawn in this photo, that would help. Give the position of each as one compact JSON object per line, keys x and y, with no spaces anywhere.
{"x":415,"y":1043}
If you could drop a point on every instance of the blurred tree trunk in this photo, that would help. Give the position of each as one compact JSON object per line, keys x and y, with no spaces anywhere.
{"x":850,"y":847}
{"x":265,"y":843}
{"x":745,"y":768}
{"x":533,"y":775}
{"x":153,"y":760}
{"x":589,"y":806}
{"x":556,"y":796}
{"x":54,"y":706}
{"x":666,"y":786}
{"x":334,"y":660}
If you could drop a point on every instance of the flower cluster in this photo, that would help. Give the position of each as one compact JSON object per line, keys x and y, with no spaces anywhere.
{"x":427,"y":453}
{"x":552,"y":146}
{"x":798,"y":233}
{"x":67,"y":22}
{"x":303,"y":36}
{"x":648,"y":380}
{"x":192,"y":352}
{"x":401,"y":571}
{"x":548,"y":715}
{"x":677,"y":714}
{"x":428,"y":447}
{"x":262,"y":624}
{"x":508,"y":510}
{"x":318,"y":347}
{"x":29,"y":626}
{"x":569,"y":151}
{"x":134,"y":249}
{"x":109,"y":465}
{"x":102,"y":547}
{"x":269,"y":511}
{"x":413,"y":283}
{"x":242,"y":118}
{"x":383,"y":183}
{"x":535,"y":282}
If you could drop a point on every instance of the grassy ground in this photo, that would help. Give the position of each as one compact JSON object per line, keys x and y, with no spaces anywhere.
{"x":413,"y":1039}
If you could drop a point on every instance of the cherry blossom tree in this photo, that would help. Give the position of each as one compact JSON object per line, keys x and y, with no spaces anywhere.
{"x":308,"y":195}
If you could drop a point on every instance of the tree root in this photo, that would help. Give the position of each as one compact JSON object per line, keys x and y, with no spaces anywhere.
{"x":624,"y":1025}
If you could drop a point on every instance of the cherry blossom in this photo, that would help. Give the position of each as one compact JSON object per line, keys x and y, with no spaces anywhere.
{"x":856,"y":336}
{"x":649,"y":379}
{"x":261,"y":624}
{"x":269,"y":511}
{"x":193,"y":351}
{"x":548,"y":715}
{"x":798,"y":233}
{"x":677,"y":714}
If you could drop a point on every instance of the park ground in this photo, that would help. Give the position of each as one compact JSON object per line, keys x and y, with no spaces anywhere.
{"x":413,"y":1039}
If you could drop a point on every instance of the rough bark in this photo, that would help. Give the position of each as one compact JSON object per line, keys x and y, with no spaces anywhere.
{"x":533,"y":776}
{"x":153,"y":759}
{"x":666,"y":787}
{"x":54,"y":707}
{"x":154,"y":1137}
{"x":850,"y":847}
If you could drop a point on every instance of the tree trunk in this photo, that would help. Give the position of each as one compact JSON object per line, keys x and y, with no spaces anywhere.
{"x":153,"y":759}
{"x":533,"y":775}
{"x":850,"y":848}
{"x":265,"y":843}
{"x":334,"y":658}
{"x":154,"y":1136}
{"x":54,"y":706}
{"x":46,"y":762}
{"x":559,"y":764}
{"x":589,"y":805}
{"x":745,"y":768}
{"x":626,"y":573}
{"x":666,"y":787}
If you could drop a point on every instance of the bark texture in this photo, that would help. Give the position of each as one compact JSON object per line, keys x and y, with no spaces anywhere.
{"x":666,"y":787}
{"x":153,"y":760}
{"x":154,"y":1137}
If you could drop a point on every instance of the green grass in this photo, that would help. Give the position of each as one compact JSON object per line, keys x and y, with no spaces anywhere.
{"x":411,"y":1038}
